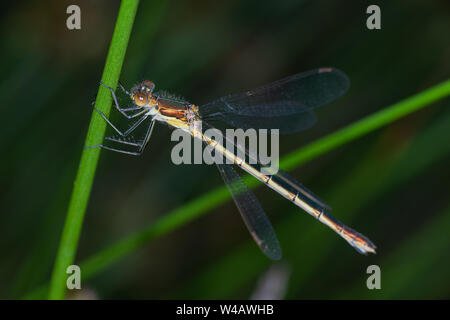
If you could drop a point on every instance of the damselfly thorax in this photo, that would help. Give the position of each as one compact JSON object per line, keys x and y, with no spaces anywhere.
{"x":173,"y":111}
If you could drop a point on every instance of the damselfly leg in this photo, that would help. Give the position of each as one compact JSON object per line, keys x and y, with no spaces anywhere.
{"x":132,"y":128}
{"x":123,"y":88}
{"x":141,"y":145}
{"x":142,"y":113}
{"x":116,"y":103}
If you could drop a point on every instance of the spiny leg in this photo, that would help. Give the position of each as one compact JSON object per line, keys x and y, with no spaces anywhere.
{"x":141,"y":146}
{"x":144,"y":143}
{"x":148,"y":135}
{"x":133,"y":127}
{"x":134,"y":144}
{"x":116,"y":103}
{"x":123,"y":89}
{"x":115,"y":149}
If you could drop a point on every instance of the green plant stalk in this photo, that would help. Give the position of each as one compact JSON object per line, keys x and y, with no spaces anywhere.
{"x":213,"y":199}
{"x":89,"y":158}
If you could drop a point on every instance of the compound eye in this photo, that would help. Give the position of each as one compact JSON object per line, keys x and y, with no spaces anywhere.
{"x":140,"y":99}
{"x":149,"y":85}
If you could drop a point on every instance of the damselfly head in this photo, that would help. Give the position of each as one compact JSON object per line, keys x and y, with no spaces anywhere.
{"x":141,"y":94}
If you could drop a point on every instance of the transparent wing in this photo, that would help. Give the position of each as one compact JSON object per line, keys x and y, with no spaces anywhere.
{"x":252,"y":213}
{"x":285,"y":104}
{"x":293,"y":185}
{"x":286,"y":124}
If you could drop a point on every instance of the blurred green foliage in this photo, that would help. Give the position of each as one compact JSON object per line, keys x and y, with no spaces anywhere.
{"x":391,"y":185}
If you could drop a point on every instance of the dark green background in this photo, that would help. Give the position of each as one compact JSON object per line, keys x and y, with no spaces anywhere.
{"x":392,"y":185}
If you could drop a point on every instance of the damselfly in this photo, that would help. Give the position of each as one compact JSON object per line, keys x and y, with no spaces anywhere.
{"x":286,"y":104}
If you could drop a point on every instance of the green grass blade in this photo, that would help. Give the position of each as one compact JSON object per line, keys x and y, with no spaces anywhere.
{"x":213,"y":199}
{"x":89,"y":158}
